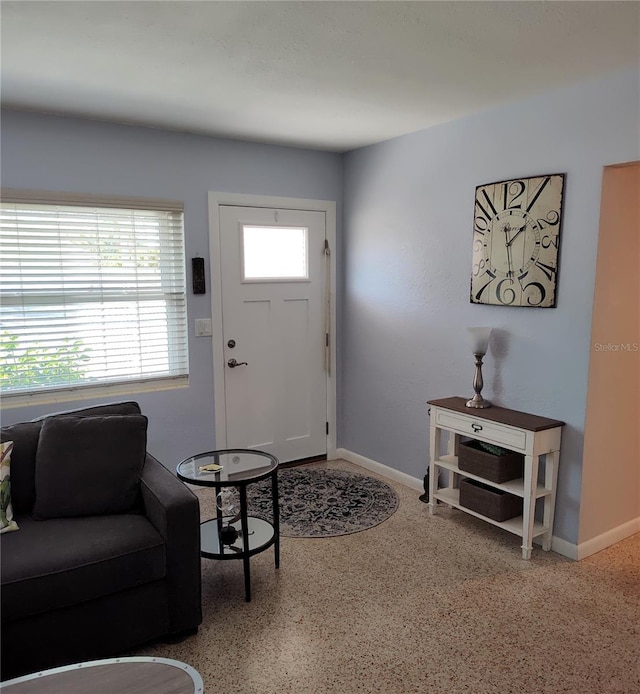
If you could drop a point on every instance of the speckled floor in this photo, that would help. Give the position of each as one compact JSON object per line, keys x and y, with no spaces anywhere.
{"x":431,"y":604}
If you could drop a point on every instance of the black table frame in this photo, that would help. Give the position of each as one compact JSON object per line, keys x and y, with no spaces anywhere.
{"x":241,"y":485}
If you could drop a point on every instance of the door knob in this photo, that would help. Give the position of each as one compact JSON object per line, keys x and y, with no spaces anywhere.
{"x":232,"y":363}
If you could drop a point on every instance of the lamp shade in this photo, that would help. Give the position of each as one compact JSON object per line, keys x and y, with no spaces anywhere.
{"x":480,"y":339}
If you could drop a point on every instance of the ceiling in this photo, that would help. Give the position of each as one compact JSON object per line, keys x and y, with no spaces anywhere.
{"x":324,"y":75}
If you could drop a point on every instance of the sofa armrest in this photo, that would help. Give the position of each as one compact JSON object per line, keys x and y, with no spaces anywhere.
{"x":174,"y":511}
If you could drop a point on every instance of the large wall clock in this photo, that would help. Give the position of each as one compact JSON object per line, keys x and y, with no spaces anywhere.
{"x":516,"y":238}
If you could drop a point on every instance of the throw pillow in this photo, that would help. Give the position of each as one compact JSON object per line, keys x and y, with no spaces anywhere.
{"x":89,"y":466}
{"x":25,"y":437}
{"x":7,"y":524}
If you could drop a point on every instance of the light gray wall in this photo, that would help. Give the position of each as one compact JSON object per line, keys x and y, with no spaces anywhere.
{"x":407,"y":256}
{"x":73,"y":155}
{"x":408,"y":235}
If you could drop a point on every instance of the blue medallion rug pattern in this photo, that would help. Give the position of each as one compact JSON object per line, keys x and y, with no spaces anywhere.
{"x":324,"y":503}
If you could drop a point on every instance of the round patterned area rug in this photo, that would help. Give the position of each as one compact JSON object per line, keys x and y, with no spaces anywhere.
{"x":324,"y":503}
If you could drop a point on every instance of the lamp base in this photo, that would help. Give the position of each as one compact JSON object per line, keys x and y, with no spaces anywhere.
{"x":228,"y":534}
{"x":478,"y":402}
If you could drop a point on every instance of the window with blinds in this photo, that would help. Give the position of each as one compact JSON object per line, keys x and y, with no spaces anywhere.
{"x":90,"y":295}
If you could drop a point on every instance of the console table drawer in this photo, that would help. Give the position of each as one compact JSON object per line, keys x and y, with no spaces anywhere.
{"x":468,"y":425}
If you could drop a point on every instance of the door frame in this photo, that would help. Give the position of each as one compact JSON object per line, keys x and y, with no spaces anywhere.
{"x":217,"y":199}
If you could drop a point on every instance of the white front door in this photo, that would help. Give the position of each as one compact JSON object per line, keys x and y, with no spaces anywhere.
{"x":274,"y":322}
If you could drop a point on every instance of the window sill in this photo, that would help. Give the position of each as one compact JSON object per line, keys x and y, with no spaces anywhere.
{"x":9,"y":402}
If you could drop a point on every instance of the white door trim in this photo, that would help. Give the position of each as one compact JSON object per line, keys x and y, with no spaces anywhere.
{"x":216,"y":200}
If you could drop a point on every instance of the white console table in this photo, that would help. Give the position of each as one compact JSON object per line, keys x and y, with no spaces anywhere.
{"x":537,"y":438}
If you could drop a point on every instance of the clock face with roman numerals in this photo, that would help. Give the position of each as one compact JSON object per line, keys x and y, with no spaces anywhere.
{"x":516,"y":238}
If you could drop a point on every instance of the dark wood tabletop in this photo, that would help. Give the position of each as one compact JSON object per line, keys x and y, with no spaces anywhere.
{"x":513,"y":418}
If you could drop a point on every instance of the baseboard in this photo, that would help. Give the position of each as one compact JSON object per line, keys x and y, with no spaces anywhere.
{"x":600,"y":542}
{"x":384,"y":470}
{"x":564,"y":547}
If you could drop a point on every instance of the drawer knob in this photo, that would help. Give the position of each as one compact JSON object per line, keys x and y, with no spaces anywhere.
{"x":476,"y":427}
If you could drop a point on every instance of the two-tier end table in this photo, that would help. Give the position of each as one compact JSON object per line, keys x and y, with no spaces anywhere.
{"x":249,"y":535}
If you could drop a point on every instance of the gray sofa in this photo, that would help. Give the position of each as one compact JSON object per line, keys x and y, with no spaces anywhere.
{"x":107,"y":553}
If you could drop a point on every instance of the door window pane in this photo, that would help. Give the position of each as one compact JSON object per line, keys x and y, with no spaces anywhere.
{"x":274,"y":252}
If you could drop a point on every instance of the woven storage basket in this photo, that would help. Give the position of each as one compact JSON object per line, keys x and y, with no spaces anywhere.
{"x":495,"y":468}
{"x":488,"y":501}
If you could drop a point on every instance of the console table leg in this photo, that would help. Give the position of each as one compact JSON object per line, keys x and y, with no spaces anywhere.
{"x":529,"y":503}
{"x":434,"y":452}
{"x":551,"y":482}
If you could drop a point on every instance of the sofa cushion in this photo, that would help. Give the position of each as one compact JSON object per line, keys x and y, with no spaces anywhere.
{"x":128,"y":407}
{"x":23,"y":463}
{"x":65,"y":561}
{"x":89,"y":466}
{"x":7,"y":524}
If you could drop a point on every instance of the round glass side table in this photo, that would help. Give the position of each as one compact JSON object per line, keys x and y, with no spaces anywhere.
{"x":233,"y":533}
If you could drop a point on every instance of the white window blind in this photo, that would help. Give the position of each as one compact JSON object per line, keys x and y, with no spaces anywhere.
{"x":90,"y":295}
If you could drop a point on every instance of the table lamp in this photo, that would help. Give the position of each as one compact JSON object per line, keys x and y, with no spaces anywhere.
{"x":229,"y":503}
{"x":480,"y":338}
